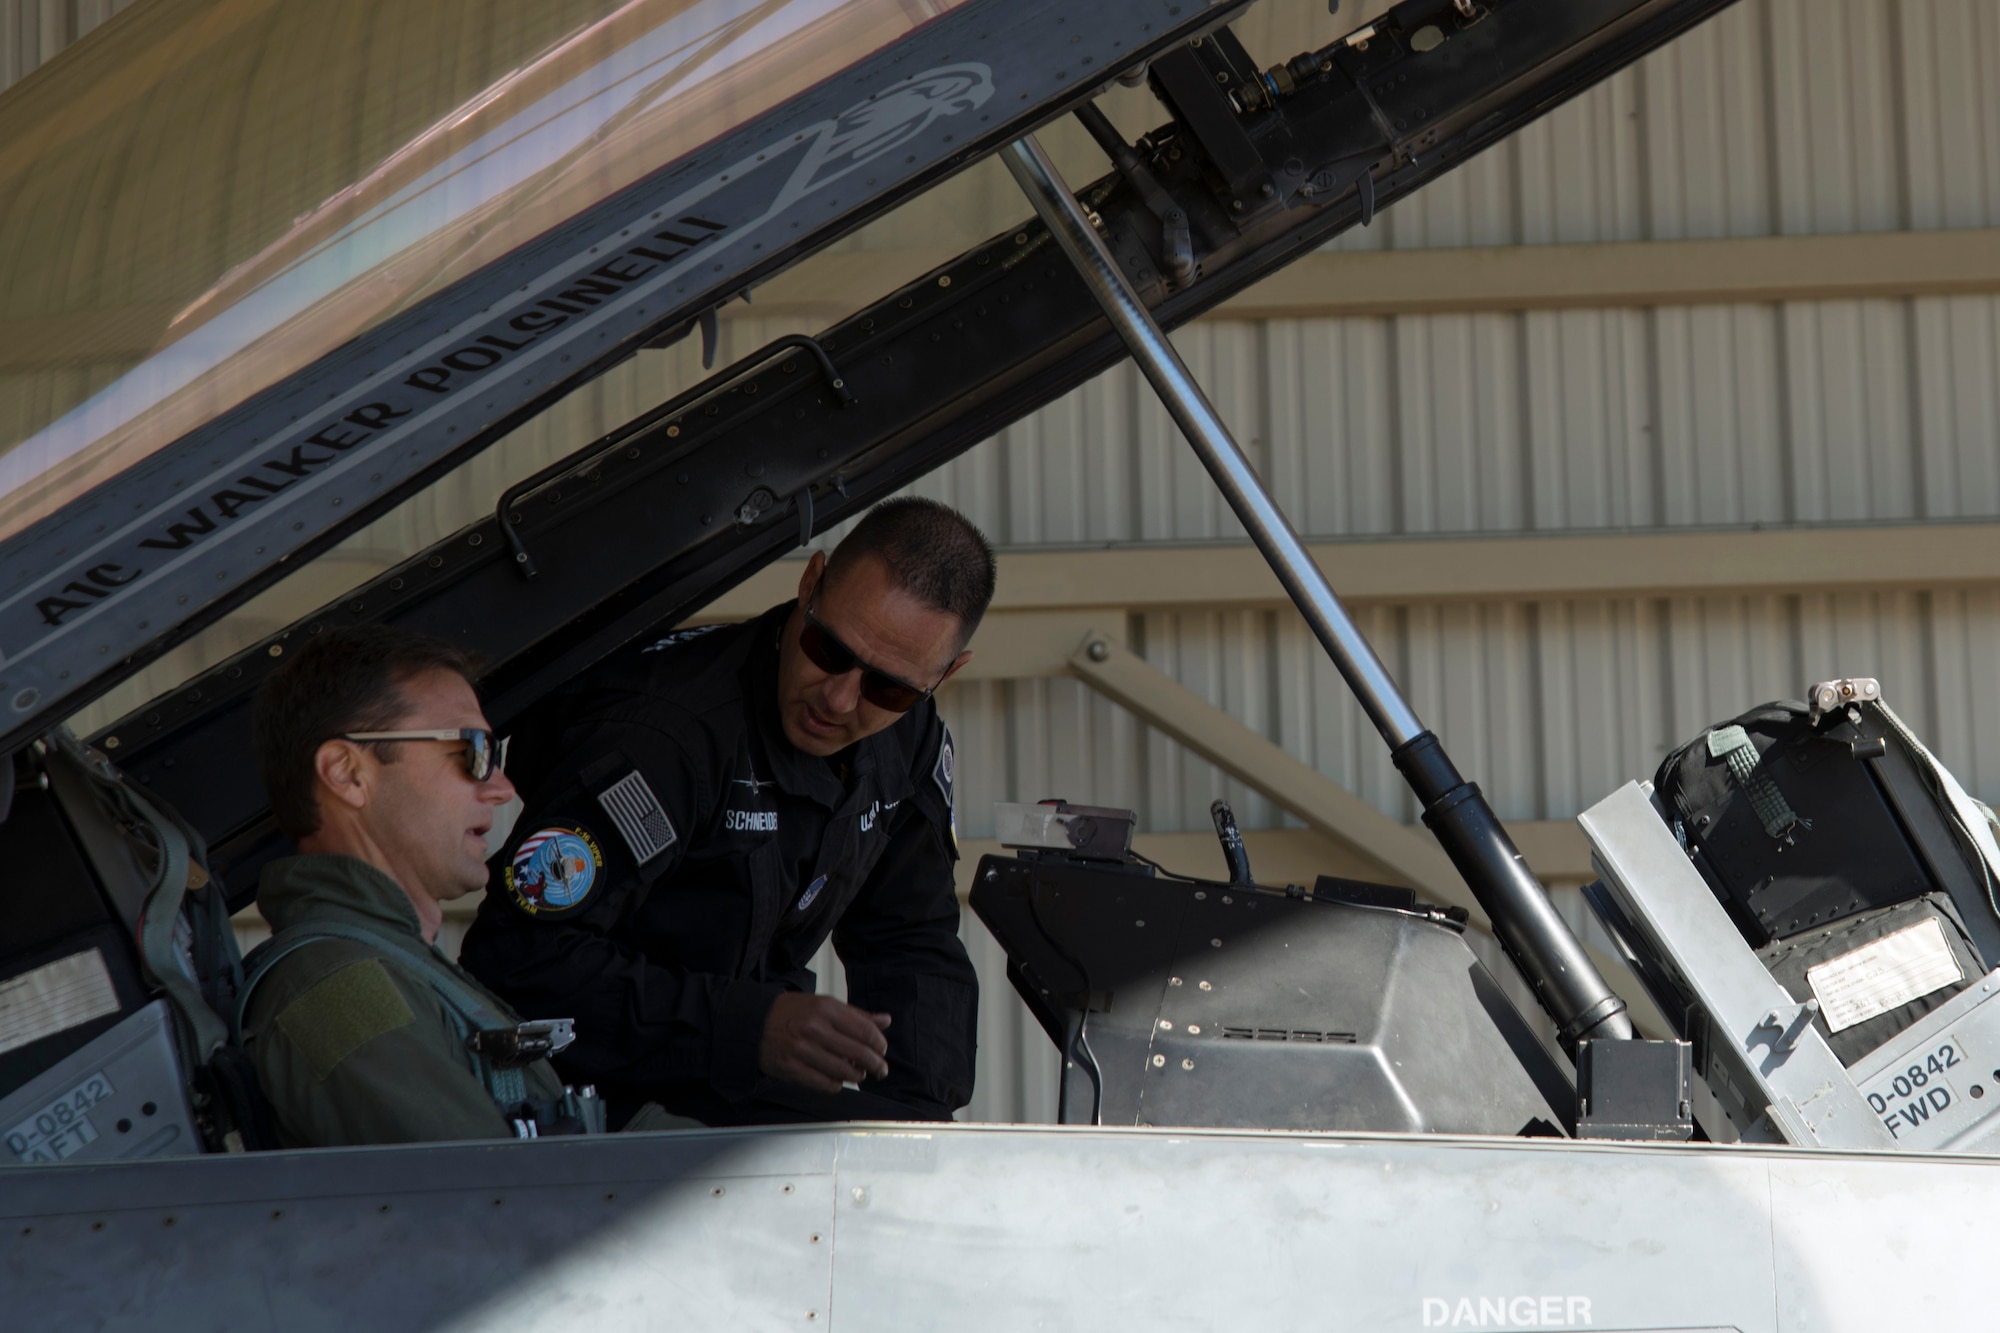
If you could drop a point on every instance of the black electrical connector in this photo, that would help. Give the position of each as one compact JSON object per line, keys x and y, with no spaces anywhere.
{"x":1233,"y":853}
{"x":1176,"y":240}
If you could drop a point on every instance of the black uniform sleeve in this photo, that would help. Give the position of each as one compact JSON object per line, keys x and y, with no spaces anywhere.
{"x":626,"y":797}
{"x":899,"y":942}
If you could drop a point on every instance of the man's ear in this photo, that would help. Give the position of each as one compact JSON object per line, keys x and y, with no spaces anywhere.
{"x":952,"y":670}
{"x":815,"y":567}
{"x":342,"y":774}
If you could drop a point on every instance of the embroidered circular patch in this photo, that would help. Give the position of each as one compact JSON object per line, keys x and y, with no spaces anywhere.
{"x":553,"y":870}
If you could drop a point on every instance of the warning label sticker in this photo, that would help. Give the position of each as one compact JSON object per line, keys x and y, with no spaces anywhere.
{"x":1878,"y":977}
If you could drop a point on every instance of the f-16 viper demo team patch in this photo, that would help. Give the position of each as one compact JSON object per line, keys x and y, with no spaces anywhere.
{"x":554,"y":870}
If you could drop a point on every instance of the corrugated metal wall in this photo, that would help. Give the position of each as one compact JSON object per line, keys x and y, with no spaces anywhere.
{"x":1780,"y":117}
{"x":33,"y":31}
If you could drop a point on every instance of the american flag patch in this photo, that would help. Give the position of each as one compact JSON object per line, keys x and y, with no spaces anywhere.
{"x":637,"y":813}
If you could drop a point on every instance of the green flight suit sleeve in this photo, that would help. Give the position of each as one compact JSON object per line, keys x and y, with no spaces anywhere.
{"x":352,"y":1049}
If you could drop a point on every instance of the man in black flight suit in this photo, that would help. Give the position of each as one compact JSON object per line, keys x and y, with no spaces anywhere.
{"x":703,"y":811}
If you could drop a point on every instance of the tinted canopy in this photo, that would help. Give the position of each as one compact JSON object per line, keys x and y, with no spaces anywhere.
{"x":207,"y":195}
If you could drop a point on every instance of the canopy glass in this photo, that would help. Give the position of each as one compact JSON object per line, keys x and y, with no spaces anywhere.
{"x":205,"y":196}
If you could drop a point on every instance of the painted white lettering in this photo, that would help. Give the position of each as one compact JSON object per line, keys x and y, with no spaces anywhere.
{"x":1507,"y":1312}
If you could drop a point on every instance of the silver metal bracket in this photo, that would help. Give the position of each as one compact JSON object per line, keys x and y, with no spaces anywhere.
{"x":1832,"y":695}
{"x":1790,"y":1022}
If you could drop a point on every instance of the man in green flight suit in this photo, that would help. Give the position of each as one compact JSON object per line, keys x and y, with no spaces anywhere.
{"x":382,"y":769}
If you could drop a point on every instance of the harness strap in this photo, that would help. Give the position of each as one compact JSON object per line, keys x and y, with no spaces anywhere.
{"x":468,"y":1009}
{"x":177,"y":848}
{"x":1733,"y":745}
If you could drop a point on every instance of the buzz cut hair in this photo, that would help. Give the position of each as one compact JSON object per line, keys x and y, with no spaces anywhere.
{"x":934,"y":553}
{"x":342,"y":680}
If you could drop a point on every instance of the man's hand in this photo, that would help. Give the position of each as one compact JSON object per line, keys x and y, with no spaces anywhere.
{"x":819,"y":1042}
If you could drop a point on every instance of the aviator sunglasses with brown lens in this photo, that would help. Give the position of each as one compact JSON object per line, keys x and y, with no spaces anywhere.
{"x":485,"y":753}
{"x":824,"y":650}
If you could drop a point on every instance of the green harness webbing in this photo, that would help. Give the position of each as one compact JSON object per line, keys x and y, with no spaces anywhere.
{"x":1733,"y":745}
{"x":177,"y":846}
{"x":469,"y":1010}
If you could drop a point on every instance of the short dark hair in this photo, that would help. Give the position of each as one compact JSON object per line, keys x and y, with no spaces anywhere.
{"x":933,"y":551}
{"x":341,"y":680}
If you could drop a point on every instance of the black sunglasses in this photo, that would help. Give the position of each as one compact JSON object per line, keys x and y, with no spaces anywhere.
{"x":824,"y":650}
{"x":485,"y":753}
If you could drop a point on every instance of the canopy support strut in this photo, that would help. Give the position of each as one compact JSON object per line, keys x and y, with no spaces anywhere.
{"x":1541,"y":944}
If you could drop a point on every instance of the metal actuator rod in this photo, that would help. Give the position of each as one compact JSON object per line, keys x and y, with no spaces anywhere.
{"x":1524,"y":920}
{"x":1218,"y":451}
